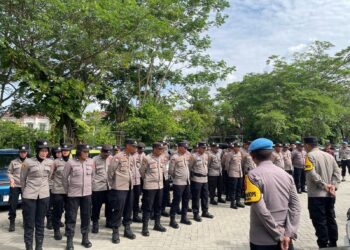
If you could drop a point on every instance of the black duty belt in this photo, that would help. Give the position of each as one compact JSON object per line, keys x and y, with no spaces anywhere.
{"x":199,"y":175}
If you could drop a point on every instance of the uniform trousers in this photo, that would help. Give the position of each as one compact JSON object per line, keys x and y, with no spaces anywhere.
{"x":98,"y":199}
{"x":199,"y":191}
{"x":34,"y":211}
{"x":299,"y":178}
{"x":321,"y":210}
{"x":59,"y":206}
{"x":13,"y":201}
{"x":235,"y":187}
{"x":121,"y":205}
{"x":73,"y":204}
{"x":166,"y":193}
{"x":136,"y":202}
{"x":152,"y":202}
{"x":215,"y":183}
{"x":345,"y":164}
{"x":181,"y":193}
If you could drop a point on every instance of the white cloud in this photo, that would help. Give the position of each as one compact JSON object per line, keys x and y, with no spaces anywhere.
{"x":257,"y":29}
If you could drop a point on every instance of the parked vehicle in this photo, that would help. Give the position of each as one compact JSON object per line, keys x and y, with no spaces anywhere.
{"x":6,"y":156}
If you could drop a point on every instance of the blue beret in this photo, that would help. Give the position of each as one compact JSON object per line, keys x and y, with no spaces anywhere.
{"x":259,"y":144}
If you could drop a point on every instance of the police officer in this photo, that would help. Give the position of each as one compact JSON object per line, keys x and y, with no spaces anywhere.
{"x":323,"y":178}
{"x":100,"y":187}
{"x":137,"y":182}
{"x":77,"y":182}
{"x":199,"y":182}
{"x":247,"y":161}
{"x":277,"y":156}
{"x":344,"y":155}
{"x":180,"y":173}
{"x":233,"y":165}
{"x":215,"y":174}
{"x":152,"y":170}
{"x":298,"y":161}
{"x":59,"y":195}
{"x":35,"y":174}
{"x":14,"y":173}
{"x":287,"y":158}
{"x":227,"y":148}
{"x":275,"y":208}
{"x":120,"y":178}
{"x":166,"y":182}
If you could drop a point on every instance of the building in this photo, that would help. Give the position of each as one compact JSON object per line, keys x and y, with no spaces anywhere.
{"x":36,"y":121}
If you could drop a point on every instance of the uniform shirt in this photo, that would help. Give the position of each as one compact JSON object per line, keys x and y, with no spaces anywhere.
{"x":77,"y":177}
{"x":287,"y":158}
{"x":120,"y":175}
{"x":223,"y":159}
{"x":136,"y":170}
{"x":100,"y":182}
{"x":214,"y":163}
{"x":166,"y":158}
{"x":323,"y":170}
{"x":247,"y":161}
{"x":198,"y":166}
{"x":277,"y":159}
{"x":35,"y":178}
{"x":151,"y":171}
{"x":178,"y":168}
{"x":344,"y":153}
{"x":275,"y":209}
{"x":14,"y":171}
{"x":57,"y":175}
{"x":233,"y":164}
{"x":298,"y":158}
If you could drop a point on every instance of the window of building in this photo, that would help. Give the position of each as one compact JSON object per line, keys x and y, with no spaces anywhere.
{"x":30,"y":125}
{"x":42,"y":126}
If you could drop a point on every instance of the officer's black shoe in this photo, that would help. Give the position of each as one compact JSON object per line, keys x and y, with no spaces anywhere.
{"x":69,"y":245}
{"x":49,"y":224}
{"x":197,"y":218}
{"x":299,"y":191}
{"x":233,"y":205}
{"x":39,"y":244}
{"x":85,"y":242}
{"x":115,"y":236}
{"x":12,"y":226}
{"x":95,"y":227}
{"x":228,"y":198}
{"x":29,"y":246}
{"x":189,"y":210}
{"x":220,"y":200}
{"x":185,"y":220}
{"x":207,"y":215}
{"x":128,"y":233}
{"x":61,"y":224}
{"x":145,"y":231}
{"x":178,"y":212}
{"x":108,"y":225}
{"x":173,"y":222}
{"x":158,"y":227}
{"x":57,"y":235}
{"x":332,"y":244}
{"x":165,"y":213}
{"x":304,"y":191}
{"x":213,"y":202}
{"x":137,"y":219}
{"x":240,"y":204}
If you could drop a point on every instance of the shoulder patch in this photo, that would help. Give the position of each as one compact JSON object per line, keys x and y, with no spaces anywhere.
{"x":252,"y":192}
{"x":308,"y":164}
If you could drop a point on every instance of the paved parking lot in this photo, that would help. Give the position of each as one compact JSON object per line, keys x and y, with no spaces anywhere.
{"x":228,"y":230}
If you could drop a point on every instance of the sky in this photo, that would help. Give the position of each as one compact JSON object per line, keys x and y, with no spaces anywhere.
{"x":257,"y":29}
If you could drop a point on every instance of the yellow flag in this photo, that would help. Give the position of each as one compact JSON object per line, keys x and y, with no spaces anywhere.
{"x":308,"y":164}
{"x":252,"y":192}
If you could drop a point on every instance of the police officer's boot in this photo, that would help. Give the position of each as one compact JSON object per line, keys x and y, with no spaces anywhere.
{"x":136,"y":218}
{"x":29,"y":245}
{"x":233,"y":205}
{"x":115,"y":236}
{"x":221,"y":200}
{"x":157,"y":226}
{"x":213,"y":201}
{"x":239,"y":204}
{"x":185,"y":220}
{"x":12,"y":226}
{"x":57,"y":234}
{"x":128,"y":233}
{"x":49,"y":223}
{"x":39,"y":243}
{"x":95,"y":227}
{"x":206,"y":214}
{"x":69,"y":245}
{"x":145,"y":231}
{"x":165,"y":213}
{"x":173,"y":222}
{"x":197,"y":218}
{"x":85,"y":242}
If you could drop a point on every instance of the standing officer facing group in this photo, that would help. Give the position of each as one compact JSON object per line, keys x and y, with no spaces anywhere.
{"x":14,"y":174}
{"x":323,"y":178}
{"x":215,"y":174}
